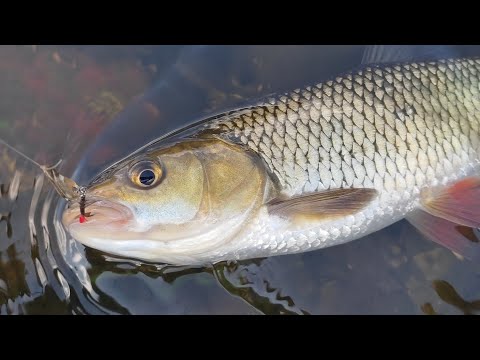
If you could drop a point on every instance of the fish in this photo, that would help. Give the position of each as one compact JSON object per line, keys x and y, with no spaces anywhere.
{"x":396,"y":138}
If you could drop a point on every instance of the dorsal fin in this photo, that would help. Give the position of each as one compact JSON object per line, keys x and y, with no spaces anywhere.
{"x":376,"y":54}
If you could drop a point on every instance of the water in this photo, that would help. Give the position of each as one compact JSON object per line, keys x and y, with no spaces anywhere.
{"x":67,"y":101}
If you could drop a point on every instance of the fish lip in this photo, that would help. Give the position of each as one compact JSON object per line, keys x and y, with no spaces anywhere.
{"x":100,"y":212}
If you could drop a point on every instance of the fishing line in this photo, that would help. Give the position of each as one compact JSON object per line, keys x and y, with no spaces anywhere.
{"x":65,"y":187}
{"x":25,"y":156}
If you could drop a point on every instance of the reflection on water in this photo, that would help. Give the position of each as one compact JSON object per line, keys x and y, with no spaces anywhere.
{"x":91,"y":105}
{"x":246,"y":281}
{"x":448,"y":294}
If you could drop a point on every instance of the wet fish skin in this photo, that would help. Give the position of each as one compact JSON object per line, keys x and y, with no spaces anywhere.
{"x":395,"y":128}
{"x":418,"y":120}
{"x":318,"y":167}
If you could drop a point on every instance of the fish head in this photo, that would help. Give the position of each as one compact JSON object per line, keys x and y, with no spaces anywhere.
{"x":175,"y":204}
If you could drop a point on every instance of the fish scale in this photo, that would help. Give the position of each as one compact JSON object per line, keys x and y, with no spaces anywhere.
{"x":345,"y":158}
{"x":416,"y":121}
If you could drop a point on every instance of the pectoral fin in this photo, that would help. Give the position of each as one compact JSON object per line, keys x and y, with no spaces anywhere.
{"x":458,"y":203}
{"x":322,"y":205}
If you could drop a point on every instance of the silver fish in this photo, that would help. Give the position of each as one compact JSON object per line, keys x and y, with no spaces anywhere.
{"x":309,"y":169}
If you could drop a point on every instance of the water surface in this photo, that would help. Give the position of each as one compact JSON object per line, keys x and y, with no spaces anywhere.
{"x":92,"y":105}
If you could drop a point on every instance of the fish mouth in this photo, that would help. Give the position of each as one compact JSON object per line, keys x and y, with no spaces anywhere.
{"x":100,"y":213}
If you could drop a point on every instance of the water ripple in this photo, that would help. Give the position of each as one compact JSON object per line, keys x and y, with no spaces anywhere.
{"x":37,"y":189}
{"x":14,"y":184}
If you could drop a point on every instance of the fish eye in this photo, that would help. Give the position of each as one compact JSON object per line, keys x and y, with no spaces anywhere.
{"x":145,"y":174}
{"x":147,"y":177}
